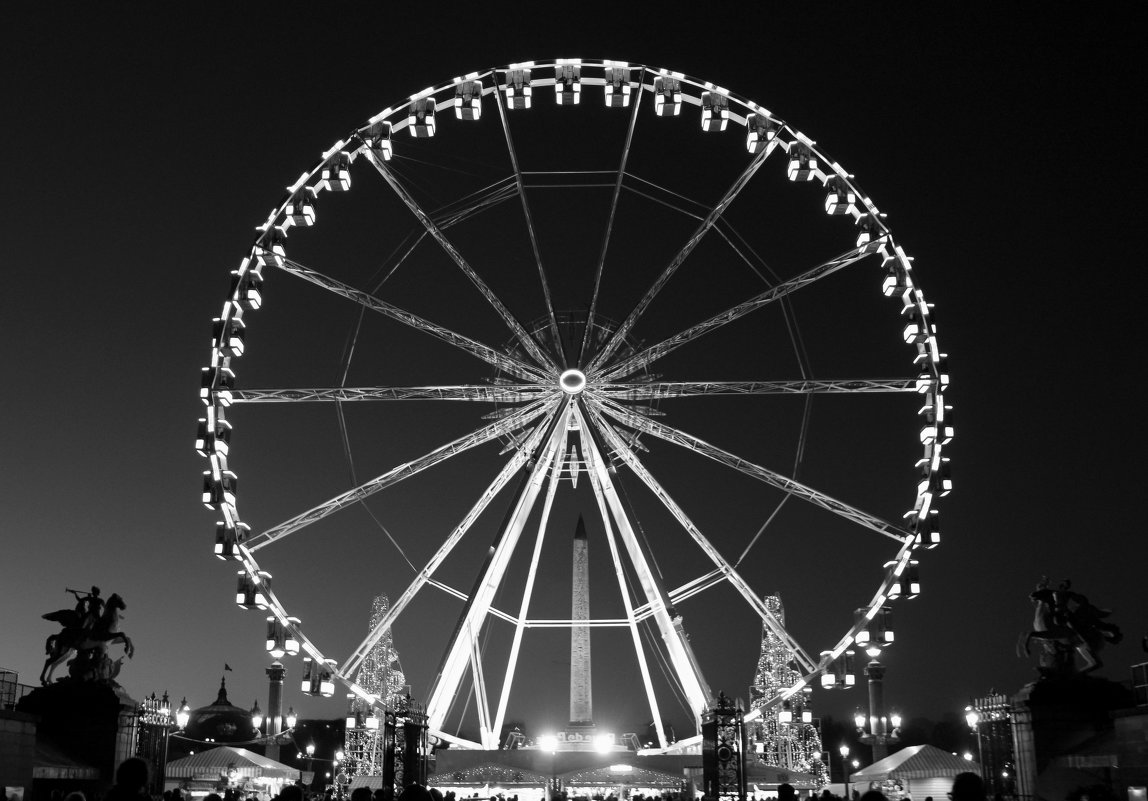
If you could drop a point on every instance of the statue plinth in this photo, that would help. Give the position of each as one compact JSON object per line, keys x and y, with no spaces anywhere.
{"x":93,"y":723}
{"x":1053,"y":717}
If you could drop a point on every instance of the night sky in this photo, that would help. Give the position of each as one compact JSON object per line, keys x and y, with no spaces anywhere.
{"x":142,"y":147}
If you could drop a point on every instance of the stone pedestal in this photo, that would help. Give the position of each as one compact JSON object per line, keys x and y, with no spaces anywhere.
{"x":91,"y":723}
{"x":1054,"y":717}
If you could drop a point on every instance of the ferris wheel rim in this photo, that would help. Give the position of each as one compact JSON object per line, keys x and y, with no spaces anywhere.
{"x":536,"y":368}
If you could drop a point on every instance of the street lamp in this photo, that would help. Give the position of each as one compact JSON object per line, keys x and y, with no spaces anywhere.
{"x":844,"y":751}
{"x":973,"y":718}
{"x":158,"y":714}
{"x":877,"y":734}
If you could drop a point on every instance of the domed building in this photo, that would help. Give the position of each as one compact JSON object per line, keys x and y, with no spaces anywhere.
{"x":221,"y":722}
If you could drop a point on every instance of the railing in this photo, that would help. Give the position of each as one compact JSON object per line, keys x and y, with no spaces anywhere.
{"x":11,"y":690}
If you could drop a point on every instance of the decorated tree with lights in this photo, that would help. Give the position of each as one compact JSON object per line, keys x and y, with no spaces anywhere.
{"x":380,"y":675}
{"x":784,"y":735}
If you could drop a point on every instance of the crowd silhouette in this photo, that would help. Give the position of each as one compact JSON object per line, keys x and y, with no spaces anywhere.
{"x":132,"y":781}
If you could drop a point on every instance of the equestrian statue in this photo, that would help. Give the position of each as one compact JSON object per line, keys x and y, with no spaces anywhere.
{"x":1065,"y":622}
{"x":87,"y":631}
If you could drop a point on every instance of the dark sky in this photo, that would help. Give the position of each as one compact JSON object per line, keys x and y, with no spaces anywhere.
{"x":142,"y":146}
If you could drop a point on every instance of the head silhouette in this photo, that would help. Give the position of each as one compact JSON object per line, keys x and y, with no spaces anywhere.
{"x":968,"y":787}
{"x":132,"y":774}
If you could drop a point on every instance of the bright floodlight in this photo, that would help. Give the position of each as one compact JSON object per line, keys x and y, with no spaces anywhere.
{"x":572,"y":381}
{"x":548,"y":742}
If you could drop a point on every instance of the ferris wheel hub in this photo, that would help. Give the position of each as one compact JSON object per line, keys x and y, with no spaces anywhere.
{"x":572,"y":381}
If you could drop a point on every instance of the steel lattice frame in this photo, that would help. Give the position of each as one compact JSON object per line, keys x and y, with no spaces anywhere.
{"x":601,"y":408}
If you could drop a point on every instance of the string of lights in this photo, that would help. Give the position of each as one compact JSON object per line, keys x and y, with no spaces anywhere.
{"x":784,"y":735}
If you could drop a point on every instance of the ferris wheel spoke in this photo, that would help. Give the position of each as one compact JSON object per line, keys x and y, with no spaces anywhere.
{"x":483,"y":393}
{"x":659,"y":390}
{"x":499,"y":428}
{"x":711,"y":219}
{"x":774,"y":479}
{"x":528,"y":342}
{"x":593,"y":310}
{"x":651,"y":354}
{"x":656,"y":193}
{"x":524,"y":605}
{"x":632,"y":618}
{"x":489,"y":578}
{"x":497,"y":359}
{"x":729,"y":573}
{"x":425,"y":576}
{"x":552,"y":318}
{"x":681,"y":656}
{"x":475,"y":203}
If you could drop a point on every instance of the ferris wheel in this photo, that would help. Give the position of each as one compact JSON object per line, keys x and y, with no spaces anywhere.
{"x":561,"y":289}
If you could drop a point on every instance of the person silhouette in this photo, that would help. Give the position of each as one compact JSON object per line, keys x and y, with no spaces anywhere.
{"x":968,"y":787}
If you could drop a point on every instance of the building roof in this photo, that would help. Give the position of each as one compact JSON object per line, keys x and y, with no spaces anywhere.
{"x":916,"y":762}
{"x":247,"y":764}
{"x":221,"y":722}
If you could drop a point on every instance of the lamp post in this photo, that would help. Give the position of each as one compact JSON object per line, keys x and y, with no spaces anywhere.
{"x":973,"y":717}
{"x":256,"y":717}
{"x":844,"y":751}
{"x":182,"y":716}
{"x":990,"y":717}
{"x":877,"y":733}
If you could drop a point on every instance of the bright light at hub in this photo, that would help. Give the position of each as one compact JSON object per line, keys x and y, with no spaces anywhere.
{"x":572,"y":381}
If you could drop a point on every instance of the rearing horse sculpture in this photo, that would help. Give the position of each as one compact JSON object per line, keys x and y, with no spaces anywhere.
{"x":1068,"y":618}
{"x":90,"y":641}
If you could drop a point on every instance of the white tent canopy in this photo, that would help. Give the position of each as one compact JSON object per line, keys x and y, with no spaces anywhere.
{"x":247,"y":764}
{"x":916,"y":762}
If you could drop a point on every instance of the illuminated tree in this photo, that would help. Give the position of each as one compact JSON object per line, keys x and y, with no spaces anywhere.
{"x":784,"y":735}
{"x":381,"y":675}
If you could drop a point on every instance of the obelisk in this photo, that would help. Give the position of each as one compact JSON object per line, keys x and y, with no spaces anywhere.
{"x":581,"y":710}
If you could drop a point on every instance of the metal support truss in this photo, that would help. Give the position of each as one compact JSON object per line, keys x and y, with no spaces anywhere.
{"x":520,"y":624}
{"x":396,"y":474}
{"x":623,"y":590}
{"x":682,"y":389}
{"x":502,"y":393}
{"x":788,"y":485}
{"x":593,"y":310}
{"x":651,"y":354}
{"x":711,"y":219}
{"x":520,"y":333}
{"x":552,"y":318}
{"x":694,"y":687}
{"x":731,"y":575}
{"x":513,"y":465}
{"x":489,"y":355}
{"x":475,"y":611}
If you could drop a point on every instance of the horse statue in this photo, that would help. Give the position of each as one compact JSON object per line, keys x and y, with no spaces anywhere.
{"x":1066,"y":621}
{"x":88,"y":630}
